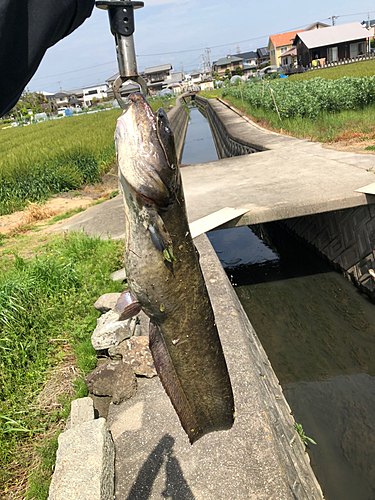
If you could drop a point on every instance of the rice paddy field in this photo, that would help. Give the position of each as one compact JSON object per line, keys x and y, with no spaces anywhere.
{"x":43,"y":159}
{"x":51,"y":157}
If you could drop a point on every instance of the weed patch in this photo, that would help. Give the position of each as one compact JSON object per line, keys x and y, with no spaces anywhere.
{"x":46,"y":321}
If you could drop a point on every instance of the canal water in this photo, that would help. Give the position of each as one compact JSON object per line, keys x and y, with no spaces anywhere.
{"x":319,"y":334}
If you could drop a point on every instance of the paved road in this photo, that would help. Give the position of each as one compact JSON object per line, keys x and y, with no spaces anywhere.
{"x":292,"y":178}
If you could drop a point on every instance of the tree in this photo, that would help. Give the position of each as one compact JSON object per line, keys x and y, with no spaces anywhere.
{"x":216,"y":75}
{"x":228,"y":74}
{"x":238,"y":71}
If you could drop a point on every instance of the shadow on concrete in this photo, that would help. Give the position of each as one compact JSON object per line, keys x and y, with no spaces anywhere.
{"x":176,"y":487}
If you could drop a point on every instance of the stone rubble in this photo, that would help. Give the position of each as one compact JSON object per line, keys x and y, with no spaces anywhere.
{"x":85,"y":456}
{"x":106,"y":302}
{"x":85,"y":459}
{"x":135,"y":352}
{"x":114,"y":378}
{"x":109,"y":331}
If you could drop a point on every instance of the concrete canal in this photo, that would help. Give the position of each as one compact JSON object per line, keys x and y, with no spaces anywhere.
{"x":318,"y":331}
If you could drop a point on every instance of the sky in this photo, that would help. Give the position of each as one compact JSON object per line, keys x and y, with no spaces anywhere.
{"x":179,"y":32}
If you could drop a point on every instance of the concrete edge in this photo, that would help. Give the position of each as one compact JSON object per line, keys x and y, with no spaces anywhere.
{"x":280,"y":213}
{"x":85,"y":458}
{"x":292,"y":456}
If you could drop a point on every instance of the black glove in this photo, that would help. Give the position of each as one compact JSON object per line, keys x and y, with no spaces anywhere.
{"x":27,"y":29}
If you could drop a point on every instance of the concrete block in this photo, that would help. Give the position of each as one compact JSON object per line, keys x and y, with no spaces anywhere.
{"x":334,"y":249}
{"x":363,"y":243}
{"x":370,"y":227}
{"x":84,"y":464}
{"x":82,"y":410}
{"x":348,"y":258}
{"x":109,"y":331}
{"x":361,"y":216}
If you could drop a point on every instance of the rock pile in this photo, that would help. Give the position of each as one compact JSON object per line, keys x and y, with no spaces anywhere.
{"x":123,"y":355}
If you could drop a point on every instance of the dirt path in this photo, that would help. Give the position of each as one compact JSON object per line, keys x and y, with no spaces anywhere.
{"x":58,"y":205}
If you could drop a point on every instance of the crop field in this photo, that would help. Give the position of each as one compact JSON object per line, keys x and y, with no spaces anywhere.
{"x":43,"y":159}
{"x":47,"y":158}
{"x":359,"y":69}
{"x":307,"y":98}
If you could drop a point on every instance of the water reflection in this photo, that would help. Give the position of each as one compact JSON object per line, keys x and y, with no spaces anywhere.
{"x":318,"y":332}
{"x":199,"y":146}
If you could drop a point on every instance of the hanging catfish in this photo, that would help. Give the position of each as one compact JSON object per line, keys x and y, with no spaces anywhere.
{"x":164,"y":275}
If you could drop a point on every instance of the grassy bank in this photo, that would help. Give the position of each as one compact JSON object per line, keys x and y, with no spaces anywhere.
{"x":47,"y":290}
{"x":326,"y":127}
{"x":359,"y":69}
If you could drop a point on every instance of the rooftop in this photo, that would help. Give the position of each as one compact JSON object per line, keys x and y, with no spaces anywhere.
{"x":157,"y":69}
{"x":284,"y":38}
{"x":334,"y":34}
{"x":227,"y":60}
{"x":248,"y":55}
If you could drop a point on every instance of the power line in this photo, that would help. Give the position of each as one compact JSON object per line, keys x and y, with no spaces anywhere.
{"x":191,"y":50}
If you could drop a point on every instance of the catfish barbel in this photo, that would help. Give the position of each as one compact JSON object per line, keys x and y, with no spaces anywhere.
{"x":164,"y":276}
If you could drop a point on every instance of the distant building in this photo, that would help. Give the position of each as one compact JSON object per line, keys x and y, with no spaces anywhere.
{"x":278,"y":44}
{"x":370,"y":25}
{"x":333,"y":43}
{"x":289,"y":58}
{"x":263,"y":55}
{"x":155,"y":76}
{"x":97,"y":92}
{"x":230,"y":62}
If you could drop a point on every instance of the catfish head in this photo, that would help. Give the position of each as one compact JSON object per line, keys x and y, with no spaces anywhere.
{"x":146,"y":152}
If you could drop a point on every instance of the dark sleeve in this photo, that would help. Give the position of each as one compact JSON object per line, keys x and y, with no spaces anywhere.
{"x":27,"y":29}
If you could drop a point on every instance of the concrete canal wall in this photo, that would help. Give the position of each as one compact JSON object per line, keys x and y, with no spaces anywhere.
{"x":178,"y":120}
{"x":345,"y":237}
{"x":226,"y":145}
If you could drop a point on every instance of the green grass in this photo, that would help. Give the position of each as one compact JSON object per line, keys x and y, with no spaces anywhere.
{"x":327,"y":127}
{"x":359,"y":69}
{"x":65,"y":215}
{"x":55,"y":156}
{"x":48,"y":296}
{"x":43,"y":159}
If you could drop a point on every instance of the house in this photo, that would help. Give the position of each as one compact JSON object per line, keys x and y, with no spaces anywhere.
{"x":128,"y":87}
{"x":278,"y":44}
{"x":194,"y":78}
{"x":263,"y":56}
{"x":229,"y":62}
{"x":61,"y":98}
{"x":333,"y":43}
{"x":97,"y":92}
{"x":289,"y":58}
{"x":155,"y":76}
{"x":249,"y":58}
{"x":316,"y":26}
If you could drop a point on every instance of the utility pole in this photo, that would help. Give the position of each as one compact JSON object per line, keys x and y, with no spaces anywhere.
{"x":333,"y":19}
{"x":238,"y":50}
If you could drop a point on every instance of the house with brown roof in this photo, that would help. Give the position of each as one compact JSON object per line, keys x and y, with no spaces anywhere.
{"x":278,"y":44}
